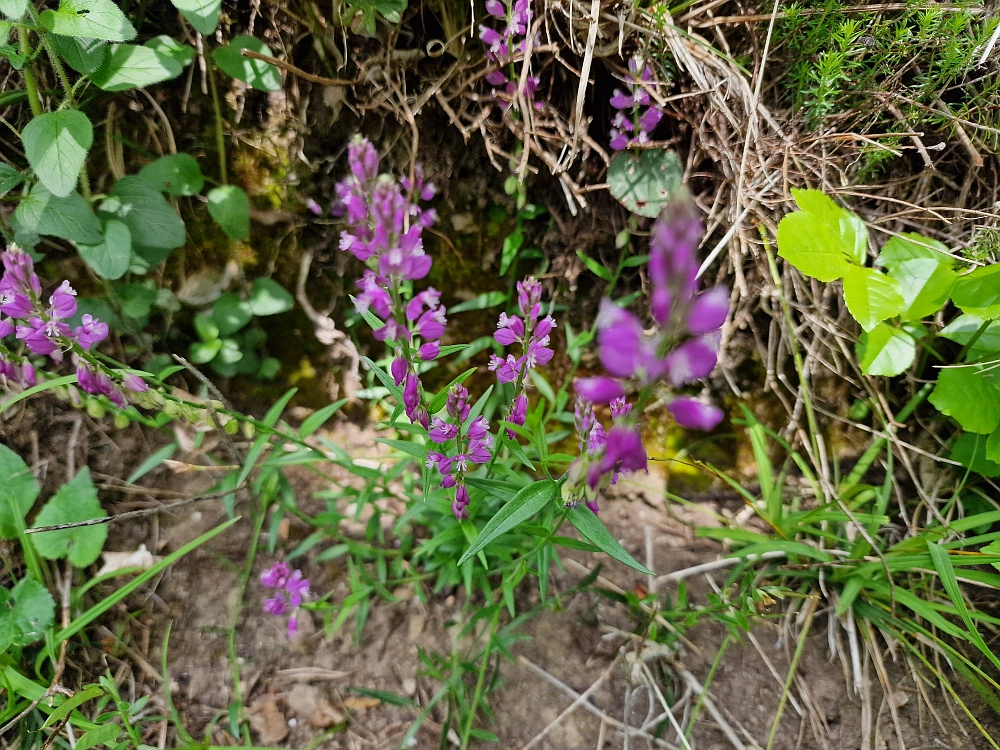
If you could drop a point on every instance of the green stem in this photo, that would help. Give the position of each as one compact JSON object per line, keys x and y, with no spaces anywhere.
{"x":220,"y":139}
{"x":478,"y":695}
{"x":799,"y":647}
{"x":234,"y":664}
{"x":30,"y":86}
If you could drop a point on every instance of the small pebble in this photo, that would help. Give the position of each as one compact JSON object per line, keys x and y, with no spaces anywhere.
{"x":409,"y":686}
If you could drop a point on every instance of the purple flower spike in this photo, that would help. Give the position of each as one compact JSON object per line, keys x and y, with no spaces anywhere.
{"x":292,"y":589}
{"x":695,"y":415}
{"x":91,"y":332}
{"x":135,"y":383}
{"x":599,"y":390}
{"x":709,"y":311}
{"x":635,"y":118}
{"x":691,"y":361}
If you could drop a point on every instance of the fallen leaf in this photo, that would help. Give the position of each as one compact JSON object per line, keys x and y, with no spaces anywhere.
{"x":267,"y":721}
{"x":361,"y":703}
{"x":313,"y":705}
{"x":140,"y":558}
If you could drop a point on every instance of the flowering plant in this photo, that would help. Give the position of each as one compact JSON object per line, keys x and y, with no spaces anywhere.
{"x":501,"y":46}
{"x":635,"y":117}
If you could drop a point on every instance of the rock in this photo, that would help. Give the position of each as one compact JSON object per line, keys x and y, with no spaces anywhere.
{"x":409,"y":686}
{"x":312,"y":704}
{"x":267,"y":720}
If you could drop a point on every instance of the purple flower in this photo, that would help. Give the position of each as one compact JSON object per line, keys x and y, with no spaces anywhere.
{"x":635,"y":119}
{"x":135,"y":383}
{"x":695,"y":415}
{"x":441,"y":431}
{"x":292,"y":589}
{"x":91,"y":331}
{"x":501,"y":44}
{"x":620,"y":408}
{"x":63,"y":302}
{"x":398,"y":369}
{"x":600,"y":390}
{"x":709,"y":311}
{"x":313,"y":207}
{"x":690,"y":361}
{"x":518,"y":413}
{"x":623,"y":451}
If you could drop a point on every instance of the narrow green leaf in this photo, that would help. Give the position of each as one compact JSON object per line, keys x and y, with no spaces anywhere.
{"x":480,"y":302}
{"x":595,"y":532}
{"x":87,"y":694}
{"x":152,"y":462}
{"x":595,"y":268}
{"x":525,"y":504}
{"x":104,"y":733}
{"x":317,"y":419}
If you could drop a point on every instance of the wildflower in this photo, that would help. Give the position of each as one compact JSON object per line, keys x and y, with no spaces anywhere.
{"x":605,"y":455}
{"x":472,"y":447}
{"x":502,"y":46}
{"x":291,"y":591}
{"x":635,"y":118}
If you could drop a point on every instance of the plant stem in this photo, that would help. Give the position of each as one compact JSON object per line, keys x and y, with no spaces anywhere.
{"x":478,"y":695}
{"x":30,"y":86}
{"x":220,"y":140}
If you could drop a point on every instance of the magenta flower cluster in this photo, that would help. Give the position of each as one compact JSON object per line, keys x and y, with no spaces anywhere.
{"x":531,"y":332}
{"x":502,"y":45}
{"x":635,"y":117}
{"x":472,"y":444}
{"x":291,"y":589}
{"x":384,"y":230}
{"x":598,"y":459}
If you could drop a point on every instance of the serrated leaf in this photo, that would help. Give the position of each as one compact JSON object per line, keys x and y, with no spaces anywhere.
{"x":230,"y":207}
{"x":525,"y":504}
{"x":269,"y":298}
{"x":111,"y":258}
{"x":56,"y":146}
{"x":821,"y":238}
{"x":82,"y":55}
{"x":978,"y":293}
{"x":259,"y":74}
{"x":25,"y":612}
{"x":886,"y":350}
{"x":75,"y":501}
{"x":644,"y":182}
{"x":912,"y":246}
{"x":130,"y":66}
{"x":92,"y":19}
{"x":18,"y":491}
{"x":202,"y":14}
{"x":871,"y":296}
{"x":175,"y":174}
{"x":70,"y":218}
{"x":925,"y":285}
{"x":970,"y":396}
{"x":151,"y":220}
{"x":230,"y":314}
{"x":595,"y":532}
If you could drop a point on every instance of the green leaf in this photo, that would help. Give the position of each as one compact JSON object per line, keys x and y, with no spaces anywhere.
{"x":230,"y":314}
{"x":269,"y":368}
{"x":10,"y":178}
{"x":167,"y":46}
{"x":111,"y":258}
{"x":65,"y":708}
{"x":259,"y":74}
{"x":82,"y":55}
{"x":75,"y":501}
{"x":25,"y":612}
{"x":230,"y":208}
{"x":206,"y":327}
{"x":130,"y":66}
{"x":56,"y":146}
{"x":595,"y":532}
{"x":18,"y":491}
{"x":92,"y":19}
{"x":970,"y":451}
{"x":595,"y":268}
{"x":152,"y":462}
{"x":526,"y":503}
{"x":886,"y":350}
{"x":871,"y":296}
{"x":136,"y":299}
{"x":822,"y":237}
{"x":964,"y":327}
{"x":511,"y":244}
{"x":393,"y":699}
{"x":482,"y":301}
{"x":203,"y":352}
{"x":269,"y":298}
{"x":912,"y":246}
{"x":151,"y":220}
{"x":978,"y":293}
{"x":70,"y":218}
{"x":970,"y":396}
{"x":644,"y":182}
{"x":176,"y":174}
{"x":106,"y":733}
{"x":202,"y":14}
{"x":925,"y":285}
{"x":317,"y":419}
{"x":13,"y":9}
{"x":229,"y":353}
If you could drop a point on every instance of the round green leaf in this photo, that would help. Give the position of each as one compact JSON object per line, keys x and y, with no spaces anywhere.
{"x":205,"y":351}
{"x":56,"y":145}
{"x":925,"y":285}
{"x":152,"y":221}
{"x":230,"y":314}
{"x":644,"y":182}
{"x":230,"y":208}
{"x":206,"y":327}
{"x":269,"y":368}
{"x":93,"y":19}
{"x":10,"y":178}
{"x":82,"y":55}
{"x":970,"y":396}
{"x":978,"y":293}
{"x":202,"y":14}
{"x":75,"y":501}
{"x":886,"y":350}
{"x":871,"y":296}
{"x":259,"y":74}
{"x":70,"y":218}
{"x":110,"y":259}
{"x":18,"y":491}
{"x":229,"y":353}
{"x":130,"y":66}
{"x":176,"y":174}
{"x":25,"y":612}
{"x":269,"y":298}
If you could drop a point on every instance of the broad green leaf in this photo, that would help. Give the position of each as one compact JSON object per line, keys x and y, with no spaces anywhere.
{"x":511,"y":244}
{"x":871,"y":296}
{"x":202,"y":14}
{"x":136,"y":299}
{"x":82,"y":55}
{"x":106,"y":733}
{"x":978,"y":293}
{"x":56,"y":146}
{"x":170,"y":47}
{"x":269,"y":298}
{"x":970,"y":451}
{"x":144,"y":210}
{"x":230,"y":314}
{"x":595,"y":532}
{"x":206,"y":327}
{"x":886,"y":350}
{"x":92,"y":19}
{"x":111,"y":258}
{"x":175,"y":174}
{"x":526,"y":503}
{"x":646,"y":181}
{"x":203,"y":352}
{"x":964,"y":327}
{"x":129,"y":66}
{"x":482,"y":301}
{"x":70,"y":218}
{"x":13,"y":9}
{"x":925,"y":285}
{"x":230,"y":208}
{"x":822,"y":237}
{"x":75,"y":501}
{"x":913,"y":246}
{"x":10,"y":178}
{"x":970,"y":396}
{"x":25,"y":612}
{"x":993,"y":446}
{"x":229,"y":353}
{"x":259,"y":74}
{"x":18,"y":491}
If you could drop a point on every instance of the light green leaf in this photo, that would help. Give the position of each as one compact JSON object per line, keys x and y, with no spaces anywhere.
{"x":526,"y":503}
{"x":925,"y":285}
{"x":595,"y":267}
{"x":482,"y":301}
{"x":92,"y":19}
{"x":202,"y":14}
{"x":970,"y":396}
{"x":590,"y":526}
{"x":871,"y":296}
{"x":170,"y":47}
{"x":106,"y":733}
{"x":82,"y":55}
{"x":25,"y":612}
{"x":230,"y":208}
{"x":75,"y":501}
{"x":10,"y":178}
{"x":978,"y":293}
{"x":130,"y":66}
{"x":913,"y":246}
{"x":56,"y":146}
{"x":109,"y":259}
{"x":229,"y":353}
{"x":269,"y":298}
{"x":18,"y":491}
{"x":511,"y":244}
{"x":175,"y":174}
{"x":206,"y":327}
{"x":317,"y":419}
{"x":822,"y":238}
{"x":70,"y":218}
{"x":886,"y":350}
{"x":230,"y":314}
{"x":646,"y":181}
{"x":152,"y":221}
{"x":964,"y":327}
{"x":970,"y":451}
{"x":259,"y":74}
{"x":993,"y":446}
{"x":13,"y":9}
{"x":205,"y":351}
